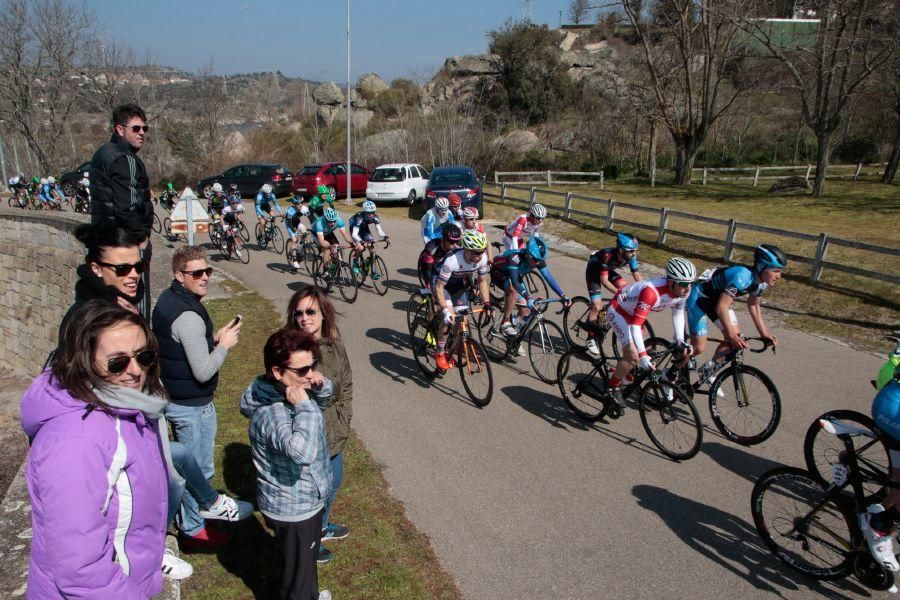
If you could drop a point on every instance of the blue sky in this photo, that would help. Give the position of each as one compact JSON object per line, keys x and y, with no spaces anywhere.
{"x":305,"y":38}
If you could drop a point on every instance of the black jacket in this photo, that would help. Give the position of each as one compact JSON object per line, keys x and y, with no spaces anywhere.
{"x":120,"y":188}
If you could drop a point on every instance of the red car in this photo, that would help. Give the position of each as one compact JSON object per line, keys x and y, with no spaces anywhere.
{"x":334,"y":176}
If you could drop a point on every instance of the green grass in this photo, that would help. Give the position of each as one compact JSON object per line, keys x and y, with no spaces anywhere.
{"x":385,"y":557}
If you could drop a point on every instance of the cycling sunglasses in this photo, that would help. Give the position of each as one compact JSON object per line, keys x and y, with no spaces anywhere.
{"x":303,"y":371}
{"x":124,"y":269}
{"x":117,"y":364}
{"x":198,"y":273}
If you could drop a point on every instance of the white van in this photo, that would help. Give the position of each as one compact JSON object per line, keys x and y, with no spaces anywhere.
{"x":397,"y":183}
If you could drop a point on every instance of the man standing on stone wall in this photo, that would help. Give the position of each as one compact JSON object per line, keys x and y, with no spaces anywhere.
{"x":119,"y":186}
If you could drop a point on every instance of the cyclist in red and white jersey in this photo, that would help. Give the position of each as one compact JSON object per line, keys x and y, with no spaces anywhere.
{"x":631,"y":307}
{"x":526,"y":225}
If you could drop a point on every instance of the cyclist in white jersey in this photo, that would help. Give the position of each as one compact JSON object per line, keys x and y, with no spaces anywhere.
{"x":524,"y":227}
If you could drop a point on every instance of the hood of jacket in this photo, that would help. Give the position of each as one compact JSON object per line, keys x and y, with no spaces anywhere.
{"x":261,"y":392}
{"x":89,"y":286}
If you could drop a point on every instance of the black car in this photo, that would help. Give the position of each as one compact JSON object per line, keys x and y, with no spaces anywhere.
{"x":461,"y":181}
{"x":69,"y":180}
{"x":249,"y":178}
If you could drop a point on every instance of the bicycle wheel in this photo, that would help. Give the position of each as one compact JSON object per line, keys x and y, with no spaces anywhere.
{"x":167,"y":227}
{"x":413,"y":305}
{"x":574,"y":318}
{"x":259,"y":234}
{"x":423,"y":340}
{"x":804,"y":527}
{"x":347,"y":284}
{"x":277,"y":240}
{"x":241,"y":251}
{"x":308,"y":254}
{"x":671,"y":420}
{"x":821,"y":450}
{"x":475,"y":371}
{"x":379,"y":274}
{"x":546,"y":345}
{"x":582,"y":384}
{"x":320,"y":274}
{"x":494,"y":341}
{"x":750,"y":409}
{"x":536,"y":285}
{"x":157,"y":224}
{"x":242,"y":228}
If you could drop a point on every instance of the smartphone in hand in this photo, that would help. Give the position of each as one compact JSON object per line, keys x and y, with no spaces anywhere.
{"x":236,"y":320}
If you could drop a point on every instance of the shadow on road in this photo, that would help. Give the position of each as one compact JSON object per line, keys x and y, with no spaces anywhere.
{"x":401,"y":369}
{"x":738,"y":460}
{"x":733,"y":544}
{"x":393,"y":338}
{"x":549,"y":407}
{"x":283,"y":268}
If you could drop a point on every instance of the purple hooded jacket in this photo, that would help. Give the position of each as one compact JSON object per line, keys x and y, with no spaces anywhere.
{"x":98,"y":488}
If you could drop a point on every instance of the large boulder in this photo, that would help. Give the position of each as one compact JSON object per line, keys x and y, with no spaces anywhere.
{"x":474,"y":64}
{"x":370,"y":85}
{"x":568,"y":40}
{"x":359,"y":116}
{"x":328,"y":94}
{"x":518,"y":140}
{"x":384,"y":145}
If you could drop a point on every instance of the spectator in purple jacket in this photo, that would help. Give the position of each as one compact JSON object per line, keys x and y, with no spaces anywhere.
{"x":97,"y":474}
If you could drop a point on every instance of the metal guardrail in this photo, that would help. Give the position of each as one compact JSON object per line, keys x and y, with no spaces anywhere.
{"x":608,"y":219}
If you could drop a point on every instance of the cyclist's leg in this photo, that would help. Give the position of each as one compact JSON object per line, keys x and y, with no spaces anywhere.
{"x":629,"y":351}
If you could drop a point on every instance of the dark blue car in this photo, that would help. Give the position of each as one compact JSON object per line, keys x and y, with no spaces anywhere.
{"x":461,"y":181}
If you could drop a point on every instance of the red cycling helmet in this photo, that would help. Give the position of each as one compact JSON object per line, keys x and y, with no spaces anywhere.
{"x":455,"y":200}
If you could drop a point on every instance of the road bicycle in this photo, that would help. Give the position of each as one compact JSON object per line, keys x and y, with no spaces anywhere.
{"x":534,"y":283}
{"x":233,"y":245}
{"x":156,"y":226}
{"x":19,"y":199}
{"x":813,"y":527}
{"x":216,"y":234}
{"x":372,"y":267}
{"x":336,"y":272}
{"x":545,"y":340}
{"x":743,"y":401}
{"x":463,"y":351}
{"x":270,"y":232}
{"x":303,"y":251}
{"x":668,"y":415}
{"x":578,"y":327}
{"x":82,"y":204}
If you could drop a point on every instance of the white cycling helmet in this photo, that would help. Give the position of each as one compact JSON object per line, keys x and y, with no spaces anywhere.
{"x":43,"y":181}
{"x":51,"y":179}
{"x":85,"y":182}
{"x":217,"y":187}
{"x":368,"y":206}
{"x":442,"y":204}
{"x":266,"y":188}
{"x":86,"y":174}
{"x":470,"y":212}
{"x":681,"y":270}
{"x":538,"y":211}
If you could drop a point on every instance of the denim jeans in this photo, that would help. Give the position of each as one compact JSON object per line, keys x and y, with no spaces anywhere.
{"x":194,"y":480}
{"x":195,"y":429}
{"x":337,"y":477}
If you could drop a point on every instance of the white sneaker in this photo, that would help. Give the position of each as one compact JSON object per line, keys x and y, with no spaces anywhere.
{"x":521,"y":350}
{"x":719,"y":392}
{"x":295,"y":264}
{"x":324,"y":595}
{"x":175,"y":568}
{"x":228,"y":509}
{"x":881,"y":546}
{"x":508,"y":329}
{"x":593,"y":347}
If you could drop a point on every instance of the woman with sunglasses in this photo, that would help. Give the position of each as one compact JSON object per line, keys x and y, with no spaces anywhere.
{"x":311,"y":310}
{"x":289,"y":449}
{"x":96,"y":472}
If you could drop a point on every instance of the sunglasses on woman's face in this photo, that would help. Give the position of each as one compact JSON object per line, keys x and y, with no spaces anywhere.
{"x":117,"y":364}
{"x":309,"y":312}
{"x":124,"y":269}
{"x":302,"y":371}
{"x":198,"y":273}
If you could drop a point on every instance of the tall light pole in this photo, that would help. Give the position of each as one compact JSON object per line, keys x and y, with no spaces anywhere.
{"x":349,"y":121}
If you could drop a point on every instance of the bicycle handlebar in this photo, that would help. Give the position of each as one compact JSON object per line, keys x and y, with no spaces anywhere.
{"x":766,"y":344}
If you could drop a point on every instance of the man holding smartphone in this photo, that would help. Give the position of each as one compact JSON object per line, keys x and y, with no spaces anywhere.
{"x":190,"y":356}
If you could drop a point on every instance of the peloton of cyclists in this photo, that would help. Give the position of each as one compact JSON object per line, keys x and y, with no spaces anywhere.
{"x":430,"y":225}
{"x":524,"y":226}
{"x":601,"y":273}
{"x":264,"y":202}
{"x":294,"y":226}
{"x":360,"y":232}
{"x":435,"y":251}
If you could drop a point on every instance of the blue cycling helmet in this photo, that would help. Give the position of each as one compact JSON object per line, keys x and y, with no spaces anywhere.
{"x":626,"y":241}
{"x":296,"y":198}
{"x":886,"y":410}
{"x":368,"y":206}
{"x":330,"y":214}
{"x":537,"y":248}
{"x":767,"y":256}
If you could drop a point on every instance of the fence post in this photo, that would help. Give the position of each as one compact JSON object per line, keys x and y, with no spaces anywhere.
{"x":756,"y":177}
{"x":858,"y":170}
{"x":663,"y":221}
{"x":502,"y":193}
{"x":549,"y":179}
{"x":729,"y":240}
{"x":704,"y":175}
{"x":533,"y":196}
{"x":653,"y":177}
{"x":610,"y":214}
{"x":601,"y":181}
{"x":817,"y":267}
{"x":496,"y":178}
{"x":808,"y":172}
{"x":568,"y":205}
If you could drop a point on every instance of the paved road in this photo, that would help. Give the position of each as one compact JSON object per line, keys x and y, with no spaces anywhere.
{"x":523,"y":500}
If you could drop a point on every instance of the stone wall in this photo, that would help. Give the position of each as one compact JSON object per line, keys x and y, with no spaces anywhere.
{"x":38,"y":258}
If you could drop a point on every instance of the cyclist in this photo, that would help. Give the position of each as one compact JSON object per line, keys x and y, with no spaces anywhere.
{"x":631,"y":307}
{"x":430,"y":225}
{"x":878,"y":521}
{"x":18,"y":185}
{"x":294,"y":226}
{"x":168,"y":197}
{"x":217,"y":201}
{"x":470,"y":221}
{"x":601,"y":273}
{"x":324,"y":229}
{"x":83,"y":195}
{"x":712,"y":299}
{"x":526,"y":225}
{"x":228,"y":217}
{"x":34,"y":190}
{"x":45,"y":193}
{"x":233,"y":192}
{"x":435,"y":251}
{"x":452,"y":279}
{"x":455,"y":207}
{"x":360,"y":232}
{"x":322,"y":200}
{"x":265,"y":199}
{"x":56,"y":190}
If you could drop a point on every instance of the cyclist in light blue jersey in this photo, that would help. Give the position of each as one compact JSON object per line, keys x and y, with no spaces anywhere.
{"x":265,"y":200}
{"x":434,"y":218}
{"x":324,"y":228}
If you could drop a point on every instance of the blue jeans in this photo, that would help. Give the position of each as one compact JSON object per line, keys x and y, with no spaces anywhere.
{"x":337,"y":477}
{"x":195,"y":428}
{"x":194,"y":480}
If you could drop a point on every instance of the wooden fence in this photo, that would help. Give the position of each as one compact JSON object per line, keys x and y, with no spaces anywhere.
{"x":759,"y":173}
{"x":731,"y":227}
{"x":548,"y":177}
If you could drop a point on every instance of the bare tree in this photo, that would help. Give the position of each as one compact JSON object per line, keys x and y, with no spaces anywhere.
{"x":891,"y":80}
{"x":692,"y":52}
{"x":42,"y":42}
{"x":578,"y":10}
{"x":830,"y":70}
{"x":109,"y":69}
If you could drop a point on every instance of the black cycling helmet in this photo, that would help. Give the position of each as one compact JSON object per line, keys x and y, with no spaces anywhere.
{"x":451,"y":232}
{"x":767,"y":256}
